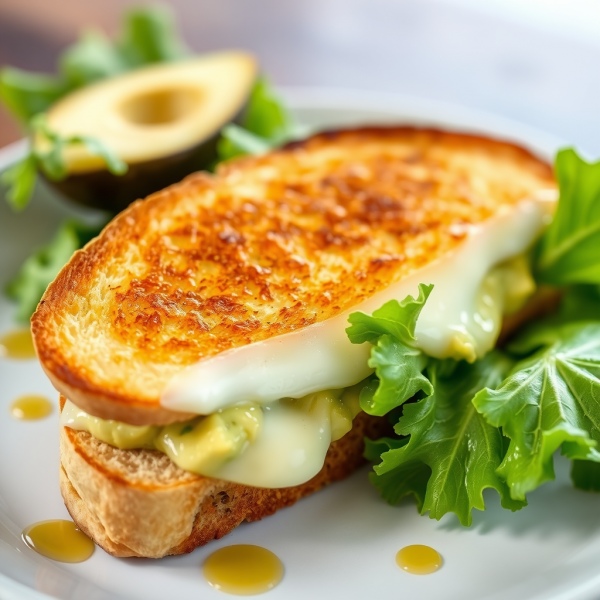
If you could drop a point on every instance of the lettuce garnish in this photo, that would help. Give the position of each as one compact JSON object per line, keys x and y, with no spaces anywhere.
{"x":551,"y":400}
{"x":569,"y":251}
{"x":397,"y":361}
{"x":44,"y":264}
{"x":452,"y":453}
{"x":498,"y":422}
{"x":148,"y":36}
{"x":20,"y":178}
{"x":580,"y":303}
{"x":495,"y":423}
{"x":266,"y":124}
{"x":586,"y":475}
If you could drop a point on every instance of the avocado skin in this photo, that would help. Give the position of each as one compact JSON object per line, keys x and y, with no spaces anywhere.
{"x":101,"y":189}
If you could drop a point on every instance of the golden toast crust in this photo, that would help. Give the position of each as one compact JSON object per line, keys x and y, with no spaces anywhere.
{"x":138,"y":503}
{"x":268,"y":245}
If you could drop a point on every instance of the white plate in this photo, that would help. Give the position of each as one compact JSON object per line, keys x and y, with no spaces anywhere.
{"x":340,"y":542}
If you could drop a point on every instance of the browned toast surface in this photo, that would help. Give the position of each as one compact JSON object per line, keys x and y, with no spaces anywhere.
{"x":268,"y":245}
{"x":139,"y":503}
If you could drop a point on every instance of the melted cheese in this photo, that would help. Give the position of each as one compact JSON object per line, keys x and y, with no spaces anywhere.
{"x":290,"y":450}
{"x":461,"y":319}
{"x":279,"y":445}
{"x":120,"y":435}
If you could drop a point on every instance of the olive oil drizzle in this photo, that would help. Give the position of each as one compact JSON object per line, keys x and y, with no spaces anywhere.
{"x":243,"y":570}
{"x":17,"y":344}
{"x":31,"y":407}
{"x":59,"y":540}
{"x":419,"y":560}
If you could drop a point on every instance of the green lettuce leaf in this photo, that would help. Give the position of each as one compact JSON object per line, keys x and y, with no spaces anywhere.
{"x":52,"y":162}
{"x":43,"y":266}
{"x":92,"y":58}
{"x":580,"y":303}
{"x":150,"y":36}
{"x":585,"y":475}
{"x":26,"y":94}
{"x":21,"y":177}
{"x":266,"y":124}
{"x":551,"y":399}
{"x":19,"y":181}
{"x":397,"y":361}
{"x":568,"y":251}
{"x":237,"y":141}
{"x":266,"y":115}
{"x":414,"y":477}
{"x":452,"y":454}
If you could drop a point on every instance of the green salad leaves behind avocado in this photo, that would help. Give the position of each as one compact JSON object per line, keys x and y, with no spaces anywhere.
{"x":498,"y":422}
{"x":266,"y":124}
{"x":148,"y":36}
{"x":44,"y":264}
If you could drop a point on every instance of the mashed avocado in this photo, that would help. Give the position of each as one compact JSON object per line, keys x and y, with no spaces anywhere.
{"x":202,"y":444}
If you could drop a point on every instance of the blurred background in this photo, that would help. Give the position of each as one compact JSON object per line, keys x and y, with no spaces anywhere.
{"x":536,"y":61}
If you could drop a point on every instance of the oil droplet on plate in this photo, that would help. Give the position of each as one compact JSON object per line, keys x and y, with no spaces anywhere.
{"x":419,"y":560}
{"x":31,"y":407}
{"x":243,"y":570}
{"x":17,"y":344}
{"x":59,"y":540}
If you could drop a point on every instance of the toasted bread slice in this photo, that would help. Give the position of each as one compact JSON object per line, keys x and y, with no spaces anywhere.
{"x":268,"y":245}
{"x":139,"y":503}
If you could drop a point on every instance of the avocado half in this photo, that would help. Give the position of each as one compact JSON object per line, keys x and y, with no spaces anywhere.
{"x":163,"y":121}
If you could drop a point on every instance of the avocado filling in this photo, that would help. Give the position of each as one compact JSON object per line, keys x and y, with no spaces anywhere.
{"x":205,"y":444}
{"x":504,"y":291}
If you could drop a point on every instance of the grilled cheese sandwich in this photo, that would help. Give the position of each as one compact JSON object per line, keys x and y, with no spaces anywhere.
{"x":232,"y":293}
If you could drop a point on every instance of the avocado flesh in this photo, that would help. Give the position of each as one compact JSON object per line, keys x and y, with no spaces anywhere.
{"x":163,"y":121}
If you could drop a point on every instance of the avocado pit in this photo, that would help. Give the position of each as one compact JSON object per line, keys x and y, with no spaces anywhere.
{"x":161,"y":107}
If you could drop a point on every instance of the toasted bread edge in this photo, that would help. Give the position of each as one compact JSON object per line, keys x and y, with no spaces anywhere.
{"x":66,"y":377}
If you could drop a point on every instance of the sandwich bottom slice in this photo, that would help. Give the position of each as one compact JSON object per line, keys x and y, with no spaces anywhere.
{"x":139,"y":503}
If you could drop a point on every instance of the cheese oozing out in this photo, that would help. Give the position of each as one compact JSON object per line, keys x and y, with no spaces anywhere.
{"x":461,"y":319}
{"x":279,"y":445}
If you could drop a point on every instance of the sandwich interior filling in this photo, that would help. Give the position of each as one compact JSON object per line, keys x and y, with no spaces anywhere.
{"x":277,"y":445}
